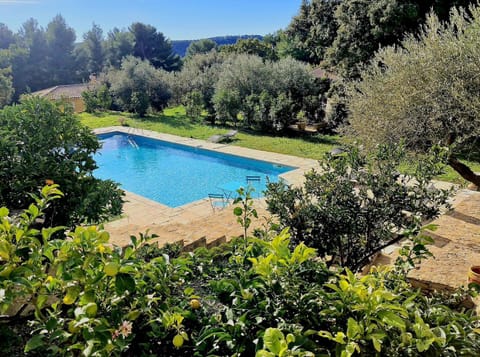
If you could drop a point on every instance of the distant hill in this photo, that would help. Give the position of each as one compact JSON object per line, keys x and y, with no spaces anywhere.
{"x":180,"y":46}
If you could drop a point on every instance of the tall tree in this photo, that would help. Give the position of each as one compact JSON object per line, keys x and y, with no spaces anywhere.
{"x":60,"y":41}
{"x":152,"y":46}
{"x":6,"y":36}
{"x":29,"y":59}
{"x":366,"y":25}
{"x":93,"y":44}
{"x":424,"y":92}
{"x":118,"y":45}
{"x":311,"y":31}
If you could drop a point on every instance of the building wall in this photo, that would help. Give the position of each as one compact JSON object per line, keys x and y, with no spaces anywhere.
{"x":78,"y":104}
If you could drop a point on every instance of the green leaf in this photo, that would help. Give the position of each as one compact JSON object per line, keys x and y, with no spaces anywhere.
{"x":71,"y":296}
{"x":87,"y":297}
{"x":392,"y":319}
{"x":33,"y":343}
{"x":290,"y":338}
{"x":88,"y":350}
{"x":354,"y":330}
{"x":124,"y":282}
{"x":188,"y":291}
{"x":41,"y":301}
{"x":377,"y":340}
{"x":424,"y":345}
{"x":237,"y":211}
{"x":273,"y":340}
{"x":128,"y":252}
{"x":48,"y":232}
{"x":133,"y":315}
{"x":264,"y":353}
{"x":4,"y":212}
{"x":5,"y":251}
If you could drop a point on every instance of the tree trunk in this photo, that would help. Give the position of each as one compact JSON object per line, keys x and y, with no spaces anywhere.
{"x":464,"y":171}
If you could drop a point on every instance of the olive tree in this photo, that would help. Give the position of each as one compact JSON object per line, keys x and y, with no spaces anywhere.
{"x":137,"y":85}
{"x":44,"y":143}
{"x":425,"y":91}
{"x":198,"y":76}
{"x":267,"y":94}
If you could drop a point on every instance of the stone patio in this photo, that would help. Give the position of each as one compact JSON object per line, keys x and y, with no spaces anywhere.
{"x":456,"y":246}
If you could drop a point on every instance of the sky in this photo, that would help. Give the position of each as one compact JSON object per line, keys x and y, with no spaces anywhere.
{"x":177,"y":19}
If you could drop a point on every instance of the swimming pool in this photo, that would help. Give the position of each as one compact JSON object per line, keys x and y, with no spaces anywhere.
{"x":174,"y":174}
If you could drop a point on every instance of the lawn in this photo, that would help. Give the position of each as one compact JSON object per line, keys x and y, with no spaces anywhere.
{"x":174,"y":121}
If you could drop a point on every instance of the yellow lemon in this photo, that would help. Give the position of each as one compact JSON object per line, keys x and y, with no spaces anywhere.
{"x":111,"y":269}
{"x":72,"y":328}
{"x":69,"y":299}
{"x":195,"y":304}
{"x":178,"y":341}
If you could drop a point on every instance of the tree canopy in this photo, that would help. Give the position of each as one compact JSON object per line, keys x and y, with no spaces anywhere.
{"x":200,"y":46}
{"x":137,"y":85}
{"x":425,"y":91}
{"x":152,"y":46}
{"x":344,"y":34}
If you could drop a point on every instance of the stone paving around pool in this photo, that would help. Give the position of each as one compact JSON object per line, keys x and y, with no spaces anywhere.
{"x":192,"y":222}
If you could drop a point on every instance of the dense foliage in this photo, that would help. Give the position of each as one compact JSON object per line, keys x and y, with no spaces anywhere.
{"x":97,"y":98}
{"x":248,"y":91}
{"x":354,"y":206}
{"x":43,"y":142}
{"x":345,"y":34}
{"x":252,"y":46}
{"x":200,"y":46}
{"x":180,"y":46}
{"x":311,"y":32}
{"x":199,"y":75}
{"x":250,"y":297}
{"x":431,"y":85}
{"x":138,"y":85}
{"x":40,"y":57}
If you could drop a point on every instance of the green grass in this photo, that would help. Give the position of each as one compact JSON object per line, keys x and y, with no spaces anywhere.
{"x":174,"y":121}
{"x":451,"y":175}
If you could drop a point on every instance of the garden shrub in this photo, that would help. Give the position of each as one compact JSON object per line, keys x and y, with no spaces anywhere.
{"x":248,"y":297}
{"x":43,"y":142}
{"x":354,"y":205}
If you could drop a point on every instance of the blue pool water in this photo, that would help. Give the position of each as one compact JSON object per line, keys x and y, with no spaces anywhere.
{"x":174,"y":174}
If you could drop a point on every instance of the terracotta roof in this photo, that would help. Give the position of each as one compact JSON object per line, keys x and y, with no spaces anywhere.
{"x":62,"y":91}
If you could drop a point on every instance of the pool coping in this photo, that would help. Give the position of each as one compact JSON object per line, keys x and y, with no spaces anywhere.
{"x":141,"y":212}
